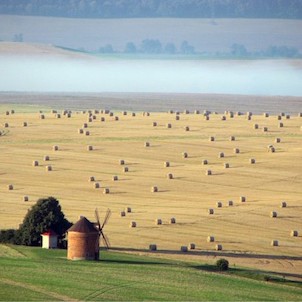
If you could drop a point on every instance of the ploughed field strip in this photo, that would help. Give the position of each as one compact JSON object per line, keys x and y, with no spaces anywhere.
{"x":192,"y":180}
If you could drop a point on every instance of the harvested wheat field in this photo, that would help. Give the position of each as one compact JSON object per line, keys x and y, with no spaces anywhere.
{"x":245,"y":230}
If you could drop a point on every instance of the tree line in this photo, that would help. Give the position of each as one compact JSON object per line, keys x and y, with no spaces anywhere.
{"x":154,"y":46}
{"x":291,"y":9}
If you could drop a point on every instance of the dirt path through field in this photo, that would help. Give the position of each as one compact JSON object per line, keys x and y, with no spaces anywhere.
{"x":37,"y":289}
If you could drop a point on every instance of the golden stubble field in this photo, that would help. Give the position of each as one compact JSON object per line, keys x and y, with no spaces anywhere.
{"x":245,"y":230}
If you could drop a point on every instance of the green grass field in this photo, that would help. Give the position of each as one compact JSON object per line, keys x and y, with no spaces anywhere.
{"x":29,"y":274}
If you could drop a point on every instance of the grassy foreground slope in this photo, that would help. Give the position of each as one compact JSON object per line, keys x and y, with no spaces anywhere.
{"x":36,"y":274}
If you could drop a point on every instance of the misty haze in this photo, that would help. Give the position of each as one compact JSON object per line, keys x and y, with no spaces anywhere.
{"x":169,"y":76}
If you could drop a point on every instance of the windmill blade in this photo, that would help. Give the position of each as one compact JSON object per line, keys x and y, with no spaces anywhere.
{"x":105,"y":239}
{"x":107,"y":216}
{"x":97,"y":217}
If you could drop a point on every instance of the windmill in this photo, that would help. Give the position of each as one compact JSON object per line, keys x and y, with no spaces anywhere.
{"x":100,"y":227}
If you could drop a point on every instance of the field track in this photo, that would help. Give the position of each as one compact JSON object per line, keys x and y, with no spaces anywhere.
{"x":245,"y":230}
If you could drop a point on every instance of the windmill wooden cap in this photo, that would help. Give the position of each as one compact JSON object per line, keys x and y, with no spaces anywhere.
{"x":83,"y":226}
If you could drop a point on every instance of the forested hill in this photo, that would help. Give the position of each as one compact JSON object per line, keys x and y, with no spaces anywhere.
{"x":288,"y":9}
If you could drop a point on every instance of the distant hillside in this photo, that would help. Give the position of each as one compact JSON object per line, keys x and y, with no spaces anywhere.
{"x":285,"y":9}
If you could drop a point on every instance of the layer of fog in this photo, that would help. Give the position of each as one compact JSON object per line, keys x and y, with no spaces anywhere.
{"x":165,"y":76}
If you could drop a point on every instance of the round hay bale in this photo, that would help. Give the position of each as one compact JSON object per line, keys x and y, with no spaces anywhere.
{"x":265,"y":114}
{"x":279,"y":117}
{"x":53,"y":111}
{"x":272,"y":149}
{"x":35,"y":163}
{"x":177,"y":118}
{"x":133,"y":224}
{"x":192,"y":246}
{"x":6,"y":125}
{"x":125,"y":113}
{"x":210,"y":211}
{"x":204,"y":162}
{"x":46,"y":158}
{"x":42,"y":117}
{"x":166,"y":164}
{"x":133,"y":114}
{"x":154,"y":124}
{"x":183,"y":249}
{"x":219,"y":204}
{"x":232,"y":138}
{"x":96,"y":185}
{"x":256,"y":126}
{"x":282,"y":113}
{"x":249,"y":117}
{"x":154,"y":189}
{"x":121,"y":162}
{"x":196,"y":112}
{"x":126,"y":169}
{"x":242,"y":199}
{"x":89,"y":120}
{"x":211,"y":138}
{"x":91,"y":178}
{"x":115,"y":178}
{"x":58,"y":115}
{"x":152,"y":247}
{"x":186,"y":111}
{"x":252,"y":161}
{"x":218,"y":247}
{"x":277,"y":140}
{"x":226,"y":165}
{"x":80,"y":131}
{"x":170,"y":111}
{"x":208,"y":172}
{"x":223,"y":118}
{"x":220,"y":155}
{"x":89,"y":148}
{"x":68,"y":115}
{"x":230,"y":203}
{"x":147,"y":114}
{"x":10,"y":187}
{"x":294,"y":234}
{"x":265,"y":129}
{"x":128,"y":210}
{"x":106,"y":191}
{"x":170,"y":176}
{"x":273,"y":214}
{"x":231,"y":114}
{"x":206,"y":117}
{"x":110,"y":114}
{"x":185,"y":155}
{"x":283,"y":204}
{"x":287,"y":116}
{"x":275,"y":243}
{"x":281,"y":125}
{"x":24,"y":124}
{"x":236,"y":150}
{"x":102,"y":119}
{"x":55,"y":148}
{"x":7,"y":113}
{"x":116,"y":118}
{"x":25,"y":198}
{"x":85,"y":125}
{"x":106,"y":111}
{"x":300,"y":114}
{"x":169,"y":125}
{"x":158,"y":221}
{"x":147,"y":144}
{"x":48,"y":168}
{"x":187,"y":128}
{"x":87,"y":133}
{"x":95,"y":111}
{"x":172,"y":220}
{"x":210,"y":239}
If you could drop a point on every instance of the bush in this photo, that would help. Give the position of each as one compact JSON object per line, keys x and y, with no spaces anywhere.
{"x":222,"y":264}
{"x":10,"y":236}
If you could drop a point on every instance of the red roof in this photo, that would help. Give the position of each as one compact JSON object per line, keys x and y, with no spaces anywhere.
{"x":50,"y":233}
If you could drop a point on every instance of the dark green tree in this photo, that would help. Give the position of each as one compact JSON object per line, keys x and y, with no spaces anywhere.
{"x":44,"y":215}
{"x":222,"y":264}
